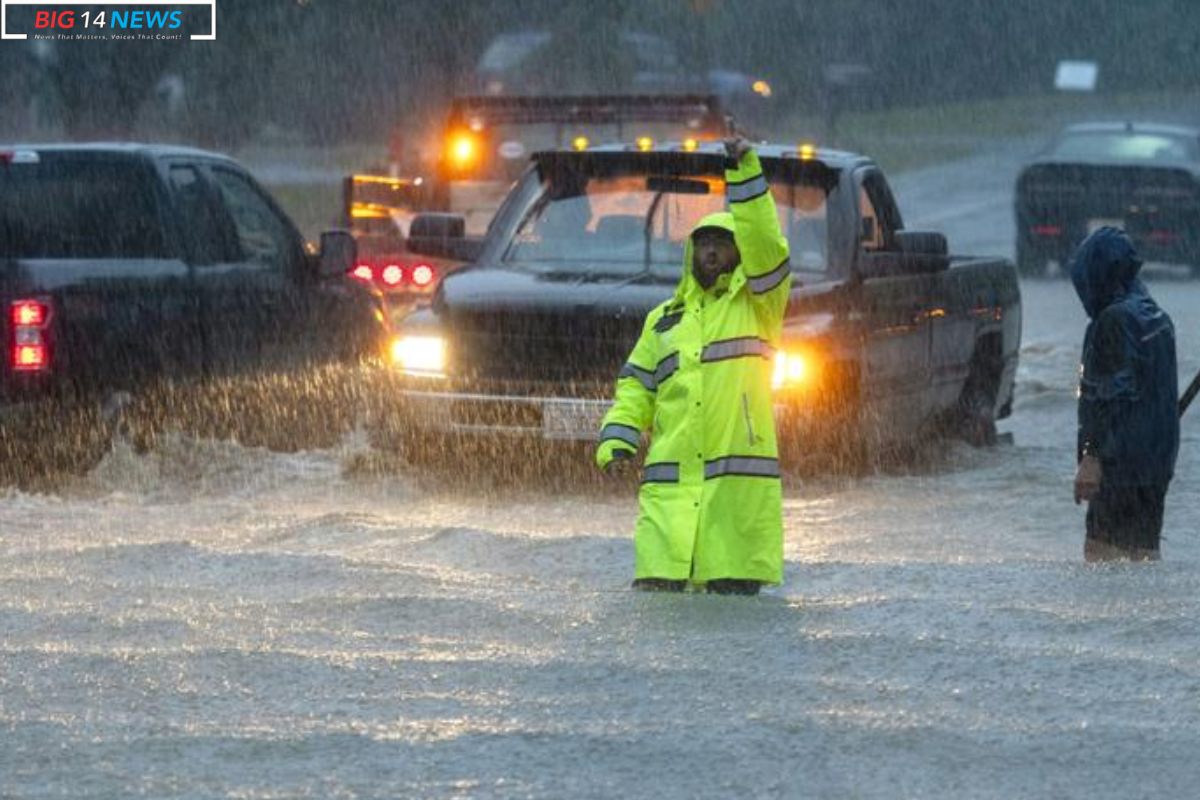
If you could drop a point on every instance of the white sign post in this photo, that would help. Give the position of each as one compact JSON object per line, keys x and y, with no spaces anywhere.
{"x":1076,"y":76}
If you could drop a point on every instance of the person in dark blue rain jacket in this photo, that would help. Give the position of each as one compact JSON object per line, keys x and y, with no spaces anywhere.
{"x":1128,"y":402}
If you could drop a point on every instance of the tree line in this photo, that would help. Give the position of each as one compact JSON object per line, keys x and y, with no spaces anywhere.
{"x":335,"y":70}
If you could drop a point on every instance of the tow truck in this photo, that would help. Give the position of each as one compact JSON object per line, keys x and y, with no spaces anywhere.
{"x":482,"y":148}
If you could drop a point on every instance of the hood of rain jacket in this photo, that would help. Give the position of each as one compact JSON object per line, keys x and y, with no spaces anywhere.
{"x":1104,"y":267}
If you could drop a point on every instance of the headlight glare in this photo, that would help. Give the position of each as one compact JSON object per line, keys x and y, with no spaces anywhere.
{"x":420,"y":355}
{"x":791,"y":370}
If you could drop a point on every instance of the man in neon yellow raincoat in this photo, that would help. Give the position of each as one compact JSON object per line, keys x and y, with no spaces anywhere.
{"x":699,"y":380}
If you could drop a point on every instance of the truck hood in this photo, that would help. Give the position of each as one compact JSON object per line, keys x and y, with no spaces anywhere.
{"x":500,"y":290}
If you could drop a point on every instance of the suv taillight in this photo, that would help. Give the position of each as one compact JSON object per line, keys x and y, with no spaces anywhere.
{"x":28,"y":320}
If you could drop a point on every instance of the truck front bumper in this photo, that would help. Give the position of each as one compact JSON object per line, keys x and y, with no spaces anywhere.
{"x":532,"y":417}
{"x":553,"y":418}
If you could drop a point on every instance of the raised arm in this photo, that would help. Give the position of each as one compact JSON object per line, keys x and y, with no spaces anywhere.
{"x":763,"y":248}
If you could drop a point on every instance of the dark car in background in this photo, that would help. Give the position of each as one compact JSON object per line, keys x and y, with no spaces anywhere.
{"x":1142,"y":177}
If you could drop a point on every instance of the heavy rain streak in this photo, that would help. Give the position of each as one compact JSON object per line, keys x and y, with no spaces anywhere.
{"x":245,"y":551}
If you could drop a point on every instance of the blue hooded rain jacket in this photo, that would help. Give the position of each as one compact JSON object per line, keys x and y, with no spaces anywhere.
{"x":1128,"y":388}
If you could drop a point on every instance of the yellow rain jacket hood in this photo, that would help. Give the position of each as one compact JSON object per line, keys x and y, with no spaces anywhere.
{"x":699,"y":383}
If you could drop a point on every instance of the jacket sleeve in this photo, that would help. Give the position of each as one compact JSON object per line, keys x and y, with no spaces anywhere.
{"x":633,"y":406}
{"x":1108,"y":388}
{"x":763,"y":248}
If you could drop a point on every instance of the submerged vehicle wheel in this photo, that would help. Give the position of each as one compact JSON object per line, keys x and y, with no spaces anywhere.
{"x":974,"y":416}
{"x":976,"y":424}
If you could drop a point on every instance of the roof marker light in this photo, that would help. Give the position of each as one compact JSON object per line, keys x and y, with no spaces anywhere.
{"x":690,"y":145}
{"x":806,"y":151}
{"x":580,"y":143}
{"x":644,"y":143}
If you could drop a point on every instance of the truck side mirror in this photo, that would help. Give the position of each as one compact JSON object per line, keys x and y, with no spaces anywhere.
{"x":339,"y":251}
{"x":439,"y":226}
{"x":924,"y":243}
{"x":912,"y":253}
{"x":442,"y":235}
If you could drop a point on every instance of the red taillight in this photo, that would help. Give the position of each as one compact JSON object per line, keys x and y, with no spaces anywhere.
{"x":393,"y":274}
{"x":1047,"y":230}
{"x":29,"y":357}
{"x":1160,"y":236}
{"x":423,"y":275}
{"x":363,"y":272}
{"x":29,"y":312}
{"x":28,"y":320}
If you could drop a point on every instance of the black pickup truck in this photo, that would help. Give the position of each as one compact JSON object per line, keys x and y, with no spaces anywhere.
{"x":887,"y":338}
{"x":122,"y":265}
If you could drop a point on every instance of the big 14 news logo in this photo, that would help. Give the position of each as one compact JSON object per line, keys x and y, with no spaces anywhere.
{"x":119,"y":20}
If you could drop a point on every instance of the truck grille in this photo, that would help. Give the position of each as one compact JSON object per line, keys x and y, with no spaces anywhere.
{"x":541,"y":349}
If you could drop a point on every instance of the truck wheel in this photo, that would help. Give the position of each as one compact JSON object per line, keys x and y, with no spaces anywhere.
{"x":1030,"y":264}
{"x":976,"y":419}
{"x":974,"y":416}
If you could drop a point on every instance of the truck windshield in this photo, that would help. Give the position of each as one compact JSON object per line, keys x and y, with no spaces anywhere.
{"x":629,"y":224}
{"x":76,"y":207}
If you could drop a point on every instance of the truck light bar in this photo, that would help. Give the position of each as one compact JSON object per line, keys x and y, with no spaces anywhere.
{"x":597,"y":109}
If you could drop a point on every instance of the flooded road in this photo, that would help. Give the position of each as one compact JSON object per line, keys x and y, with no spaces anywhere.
{"x":209,"y":620}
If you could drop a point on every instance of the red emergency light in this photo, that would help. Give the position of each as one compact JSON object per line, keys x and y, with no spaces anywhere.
{"x":423,"y":274}
{"x":393,"y":275}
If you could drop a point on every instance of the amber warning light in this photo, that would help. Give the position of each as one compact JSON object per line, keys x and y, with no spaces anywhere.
{"x":462,"y":149}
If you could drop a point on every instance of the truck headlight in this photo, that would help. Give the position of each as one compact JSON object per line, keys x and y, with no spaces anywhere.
{"x":420,"y":355}
{"x":793,"y":370}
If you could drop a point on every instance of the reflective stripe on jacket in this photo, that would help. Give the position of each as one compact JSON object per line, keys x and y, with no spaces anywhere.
{"x":699,"y":380}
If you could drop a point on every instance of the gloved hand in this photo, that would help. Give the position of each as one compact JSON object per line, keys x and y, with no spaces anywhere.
{"x":736,"y":146}
{"x":622,"y":463}
{"x":1087,"y":478}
